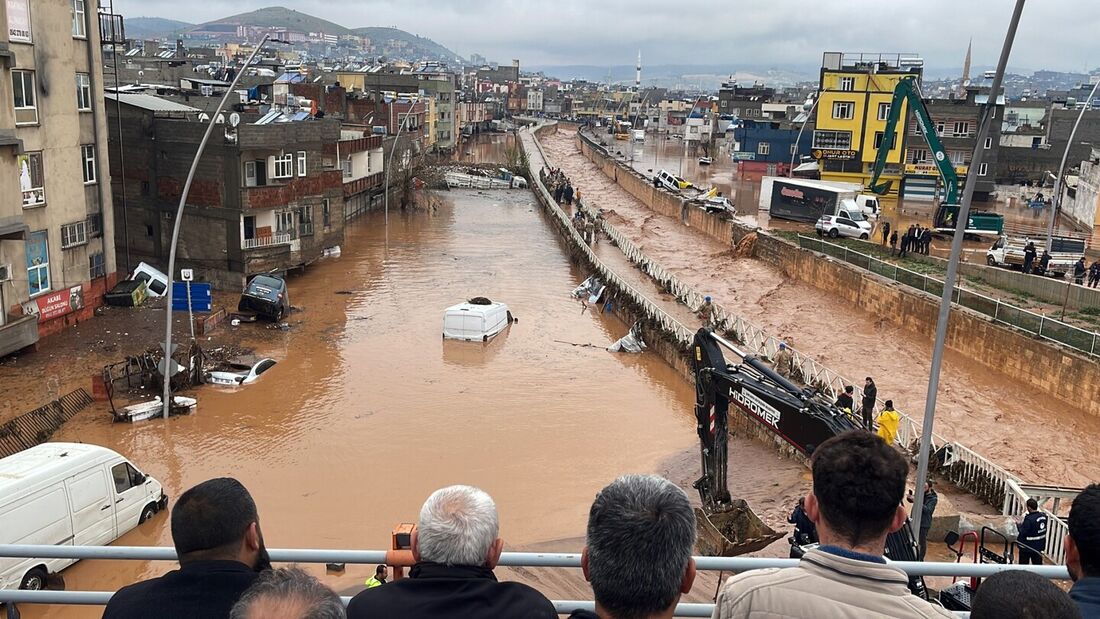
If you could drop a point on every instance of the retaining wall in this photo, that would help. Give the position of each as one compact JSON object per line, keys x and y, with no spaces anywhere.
{"x":1052,"y":369}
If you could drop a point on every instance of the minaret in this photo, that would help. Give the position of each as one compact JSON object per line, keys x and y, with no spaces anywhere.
{"x":966,"y":71}
{"x":638,"y":73}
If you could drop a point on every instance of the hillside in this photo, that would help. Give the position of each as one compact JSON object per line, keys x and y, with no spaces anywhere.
{"x":413,"y":45}
{"x":279,"y":17}
{"x":154,"y":27}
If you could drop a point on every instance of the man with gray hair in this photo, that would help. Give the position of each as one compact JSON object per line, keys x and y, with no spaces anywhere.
{"x":641,"y":532}
{"x":288,"y":593}
{"x":456,"y":547}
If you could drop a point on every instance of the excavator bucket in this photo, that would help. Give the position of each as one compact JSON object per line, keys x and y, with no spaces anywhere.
{"x":733,"y":530}
{"x":882,"y":188}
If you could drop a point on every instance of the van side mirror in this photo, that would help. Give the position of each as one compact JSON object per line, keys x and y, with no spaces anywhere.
{"x":140,"y":479}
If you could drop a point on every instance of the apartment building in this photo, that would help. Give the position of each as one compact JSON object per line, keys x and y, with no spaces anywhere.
{"x":57,"y":253}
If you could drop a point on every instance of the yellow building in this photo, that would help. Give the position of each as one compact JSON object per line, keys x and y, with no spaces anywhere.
{"x":853,"y":104}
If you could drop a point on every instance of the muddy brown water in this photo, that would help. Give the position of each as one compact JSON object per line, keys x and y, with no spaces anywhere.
{"x":1035,"y":437}
{"x":369,"y":410}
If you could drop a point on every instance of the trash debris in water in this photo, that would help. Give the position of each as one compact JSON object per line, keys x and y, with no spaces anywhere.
{"x":631,"y":342}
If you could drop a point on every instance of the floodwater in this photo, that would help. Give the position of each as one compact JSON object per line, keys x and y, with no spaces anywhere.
{"x":368,"y":410}
{"x":1039,"y":439}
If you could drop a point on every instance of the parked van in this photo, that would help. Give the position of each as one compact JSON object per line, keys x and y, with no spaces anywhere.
{"x":68,"y":494}
{"x":670,"y":181}
{"x":475,"y":321}
{"x":156,"y":282}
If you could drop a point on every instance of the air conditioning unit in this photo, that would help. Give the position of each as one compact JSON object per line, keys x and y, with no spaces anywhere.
{"x":5,"y":272}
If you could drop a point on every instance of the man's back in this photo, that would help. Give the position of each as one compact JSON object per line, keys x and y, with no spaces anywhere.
{"x":205,"y":589}
{"x":825,"y":586}
{"x":434,"y":591}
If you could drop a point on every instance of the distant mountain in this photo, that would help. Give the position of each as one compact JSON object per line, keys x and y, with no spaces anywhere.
{"x":414,"y":45}
{"x":154,"y":27}
{"x":279,"y":17}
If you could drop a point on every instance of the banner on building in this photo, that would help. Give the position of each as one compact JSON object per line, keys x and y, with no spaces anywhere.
{"x":56,"y":304}
{"x":19,"y":21}
{"x":835,"y":154}
{"x":928,"y":169}
{"x":738,"y":155}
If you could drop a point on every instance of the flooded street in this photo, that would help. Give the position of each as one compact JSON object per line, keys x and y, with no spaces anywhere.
{"x":369,"y":410}
{"x":989,"y":411}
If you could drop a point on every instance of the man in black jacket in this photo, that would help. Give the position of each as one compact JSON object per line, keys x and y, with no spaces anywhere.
{"x":870,"y":394}
{"x":844,"y":401}
{"x":1032,"y":538}
{"x":216,"y":532}
{"x":637,"y":554}
{"x":456,"y":547}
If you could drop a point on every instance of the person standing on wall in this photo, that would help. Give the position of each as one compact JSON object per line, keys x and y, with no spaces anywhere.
{"x":1079,"y":271}
{"x":1094,"y":273}
{"x":1029,"y":256}
{"x":893,"y":241}
{"x":870,"y":394}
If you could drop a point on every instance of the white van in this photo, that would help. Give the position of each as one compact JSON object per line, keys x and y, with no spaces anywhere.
{"x":68,"y":494}
{"x":475,"y":322}
{"x":156,"y":283}
{"x":670,"y":181}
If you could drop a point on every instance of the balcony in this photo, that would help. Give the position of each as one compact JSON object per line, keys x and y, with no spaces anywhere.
{"x":267,"y":241}
{"x":359,"y":145}
{"x":112,"y":30}
{"x":359,"y":185}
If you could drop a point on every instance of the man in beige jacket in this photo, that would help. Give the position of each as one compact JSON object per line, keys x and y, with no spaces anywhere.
{"x":858,"y":486}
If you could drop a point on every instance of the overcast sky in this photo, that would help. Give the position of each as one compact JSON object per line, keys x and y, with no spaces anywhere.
{"x":1054,"y":34}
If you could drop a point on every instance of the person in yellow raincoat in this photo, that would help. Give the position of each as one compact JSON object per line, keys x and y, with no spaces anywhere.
{"x":888,"y":422}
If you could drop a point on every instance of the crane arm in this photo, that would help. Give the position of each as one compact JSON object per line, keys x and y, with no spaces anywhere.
{"x":906,"y":90}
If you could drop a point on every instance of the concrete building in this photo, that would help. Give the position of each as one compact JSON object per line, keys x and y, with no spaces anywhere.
{"x":57,"y":257}
{"x":1030,"y":155}
{"x":431,"y":80}
{"x":534,"y":100}
{"x":957,"y":122}
{"x":268,"y":196}
{"x":854,"y":100}
{"x":743,"y":101}
{"x":765,"y":146}
{"x":503,"y":74}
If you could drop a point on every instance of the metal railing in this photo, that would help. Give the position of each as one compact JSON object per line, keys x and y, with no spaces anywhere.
{"x":1057,"y":528}
{"x":266,"y":241}
{"x":507,"y":559}
{"x":1000,"y":311}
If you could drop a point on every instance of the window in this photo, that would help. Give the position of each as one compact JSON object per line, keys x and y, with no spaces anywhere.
{"x":918,"y":155}
{"x":940,"y":128}
{"x":843,"y":110}
{"x":22,"y":88}
{"x":763,"y":148}
{"x":78,"y":19}
{"x":988,"y":143}
{"x":962,"y":129}
{"x":736,"y":111}
{"x":38,"y":262}
{"x":345,"y":165}
{"x":878,"y":140}
{"x":87,"y":154}
{"x":847,"y":84}
{"x":284,"y":222}
{"x":883,"y":111}
{"x":95,"y":225}
{"x":326,"y":213}
{"x":283,"y":166}
{"x":832,"y":139}
{"x":97,"y":267}
{"x":31,"y":179}
{"x":74,"y":234}
{"x":83,"y":92}
{"x":301,"y":163}
{"x":126,"y":477}
{"x":958,"y":157}
{"x":305,"y":220}
{"x":983,"y":169}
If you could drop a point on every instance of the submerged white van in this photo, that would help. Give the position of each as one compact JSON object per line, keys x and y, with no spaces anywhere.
{"x":68,"y":494}
{"x":475,"y":322}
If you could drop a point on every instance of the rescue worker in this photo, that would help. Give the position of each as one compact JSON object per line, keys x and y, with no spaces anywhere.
{"x":1079,"y":271}
{"x":378,"y":579}
{"x":708,"y":312}
{"x":1043,"y":262}
{"x":1029,"y":256}
{"x":784,"y":359}
{"x":888,"y":422}
{"x":844,"y":401}
{"x":805,"y":531}
{"x":1032,"y":538}
{"x":1094,"y":273}
{"x":885,"y":232}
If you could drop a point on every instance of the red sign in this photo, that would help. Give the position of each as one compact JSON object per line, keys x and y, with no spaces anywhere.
{"x":56,"y":304}
{"x":792,"y":193}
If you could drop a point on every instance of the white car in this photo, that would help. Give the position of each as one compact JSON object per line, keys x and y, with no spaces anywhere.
{"x":833,"y":226}
{"x":240,"y":374}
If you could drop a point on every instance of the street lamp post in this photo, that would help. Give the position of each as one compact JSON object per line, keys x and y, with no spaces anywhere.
{"x":389,"y":162}
{"x":794,"y":151}
{"x":1059,"y":182}
{"x":167,"y":392}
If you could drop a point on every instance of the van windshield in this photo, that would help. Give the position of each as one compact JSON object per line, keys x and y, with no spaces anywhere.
{"x":855,"y":215}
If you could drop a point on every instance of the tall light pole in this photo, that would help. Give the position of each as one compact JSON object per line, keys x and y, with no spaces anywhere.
{"x":953,"y":267}
{"x":167,"y":393}
{"x":1059,"y":183}
{"x":809,"y":115}
{"x":389,"y":162}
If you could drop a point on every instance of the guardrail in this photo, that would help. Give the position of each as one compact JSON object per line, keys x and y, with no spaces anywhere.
{"x":266,"y":241}
{"x":1000,"y":311}
{"x":507,"y":559}
{"x":961,"y":465}
{"x":1057,"y":528}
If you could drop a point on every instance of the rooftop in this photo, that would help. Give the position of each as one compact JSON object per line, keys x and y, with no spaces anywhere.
{"x":149,"y":102}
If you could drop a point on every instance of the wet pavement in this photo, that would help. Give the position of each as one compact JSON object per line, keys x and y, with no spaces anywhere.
{"x":986,"y":410}
{"x":369,"y":410}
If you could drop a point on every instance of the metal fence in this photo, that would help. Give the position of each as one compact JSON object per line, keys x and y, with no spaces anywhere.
{"x":961,"y":465}
{"x":1000,"y":311}
{"x":507,"y":559}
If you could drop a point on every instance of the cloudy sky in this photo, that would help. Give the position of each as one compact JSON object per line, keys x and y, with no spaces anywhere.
{"x":1054,"y":34}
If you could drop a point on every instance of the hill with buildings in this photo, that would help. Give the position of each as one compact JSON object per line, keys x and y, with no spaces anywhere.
{"x":414,"y":44}
{"x":155,"y":27}
{"x":276,"y":17}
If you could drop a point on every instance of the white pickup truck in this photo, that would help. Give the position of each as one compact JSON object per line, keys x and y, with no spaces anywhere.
{"x":1009,"y":253}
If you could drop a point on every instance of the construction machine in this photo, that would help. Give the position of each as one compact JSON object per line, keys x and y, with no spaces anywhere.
{"x":979,"y":223}
{"x":799,"y":416}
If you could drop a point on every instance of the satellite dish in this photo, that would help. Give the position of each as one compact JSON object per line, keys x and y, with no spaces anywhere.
{"x":220,"y":119}
{"x":234,"y":119}
{"x":204,"y":117}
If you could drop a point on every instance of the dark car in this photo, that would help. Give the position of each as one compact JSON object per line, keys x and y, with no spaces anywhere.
{"x":267,"y":296}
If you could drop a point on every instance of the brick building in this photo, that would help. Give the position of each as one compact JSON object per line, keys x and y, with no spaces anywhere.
{"x":267,"y":197}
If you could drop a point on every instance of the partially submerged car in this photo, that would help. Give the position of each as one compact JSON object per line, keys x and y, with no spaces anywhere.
{"x":266,"y":295}
{"x":478,"y":320}
{"x":239,"y":373}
